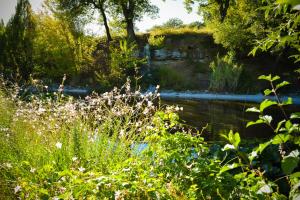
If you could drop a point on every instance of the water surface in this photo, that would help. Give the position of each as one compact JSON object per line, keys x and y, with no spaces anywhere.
{"x":223,"y":116}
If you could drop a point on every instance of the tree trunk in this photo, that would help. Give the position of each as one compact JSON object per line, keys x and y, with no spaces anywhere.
{"x":223,"y":7}
{"x":128,"y":12}
{"x":130,"y":31}
{"x":109,"y":38}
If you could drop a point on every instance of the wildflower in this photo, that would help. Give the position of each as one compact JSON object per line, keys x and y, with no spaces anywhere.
{"x":81,"y":169}
{"x":8,"y":165}
{"x":118,"y":194}
{"x":32,"y":170}
{"x":139,"y":104}
{"x":74,"y":159}
{"x":17,"y":189}
{"x":150,"y":103}
{"x":126,"y":169}
{"x":146,"y":111}
{"x":58,"y":145}
{"x":157,"y":87}
{"x":122,"y":133}
{"x":158,"y":94}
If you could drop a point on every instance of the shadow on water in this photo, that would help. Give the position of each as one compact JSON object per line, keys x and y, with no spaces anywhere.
{"x":223,"y":116}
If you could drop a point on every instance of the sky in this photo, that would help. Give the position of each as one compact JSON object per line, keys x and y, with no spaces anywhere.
{"x":168,"y":9}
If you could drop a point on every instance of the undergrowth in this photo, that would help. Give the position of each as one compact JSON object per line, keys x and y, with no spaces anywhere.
{"x":118,"y":145}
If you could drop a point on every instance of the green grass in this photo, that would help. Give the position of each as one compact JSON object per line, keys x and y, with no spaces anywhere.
{"x":56,"y":147}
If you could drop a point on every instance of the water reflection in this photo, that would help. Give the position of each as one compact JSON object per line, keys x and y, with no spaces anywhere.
{"x":222,"y":116}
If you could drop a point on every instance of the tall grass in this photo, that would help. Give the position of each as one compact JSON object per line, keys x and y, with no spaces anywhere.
{"x":225,"y":73}
{"x":116,"y":145}
{"x":180,"y":31}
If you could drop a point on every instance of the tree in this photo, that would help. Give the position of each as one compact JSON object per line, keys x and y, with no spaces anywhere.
{"x":2,"y":44}
{"x":173,"y":23}
{"x":20,"y":33}
{"x":222,"y":5}
{"x":244,"y":22}
{"x":133,"y":10}
{"x":59,"y":49}
{"x":284,"y":33}
{"x":79,"y":6}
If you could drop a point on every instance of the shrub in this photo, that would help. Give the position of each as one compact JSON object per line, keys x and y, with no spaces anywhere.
{"x":225,"y":73}
{"x":123,"y":62}
{"x":156,"y":41}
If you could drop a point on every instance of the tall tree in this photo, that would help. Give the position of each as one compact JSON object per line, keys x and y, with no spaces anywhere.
{"x":78,"y":6}
{"x":20,"y":33}
{"x":133,"y":10}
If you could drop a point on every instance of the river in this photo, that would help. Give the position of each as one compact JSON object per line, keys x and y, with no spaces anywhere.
{"x":223,"y":116}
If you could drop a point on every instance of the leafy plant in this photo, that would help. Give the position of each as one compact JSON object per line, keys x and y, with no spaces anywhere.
{"x":286,"y":140}
{"x":225,"y":73}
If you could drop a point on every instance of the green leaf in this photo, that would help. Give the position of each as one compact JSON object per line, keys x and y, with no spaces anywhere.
{"x":275,"y":78}
{"x":264,"y":77}
{"x":288,"y":124}
{"x":289,"y":101}
{"x":265,"y":104}
{"x":290,"y":2}
{"x":290,"y":162}
{"x":295,"y":175}
{"x":229,"y":167}
{"x":253,"y":109}
{"x":237,"y":140}
{"x":282,"y":84}
{"x":262,"y":146}
{"x":267,"y":92}
{"x":254,"y":123}
{"x":280,"y":138}
{"x":279,"y":126}
{"x":295,"y":115}
{"x":266,"y":118}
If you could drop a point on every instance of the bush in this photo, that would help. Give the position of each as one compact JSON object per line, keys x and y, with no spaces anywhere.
{"x":225,"y":73}
{"x":123,"y":62}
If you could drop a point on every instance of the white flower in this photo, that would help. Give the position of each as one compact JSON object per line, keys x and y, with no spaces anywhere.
{"x":146,"y":111}
{"x":58,"y":145}
{"x":253,"y":154}
{"x":32,"y":170}
{"x":81,"y":169}
{"x":228,"y":146}
{"x":74,"y":159}
{"x":17,"y":189}
{"x":158,"y":94}
{"x":157,"y":87}
{"x":150,"y":103}
{"x":8,"y":165}
{"x":118,"y":194}
{"x":122,"y":132}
